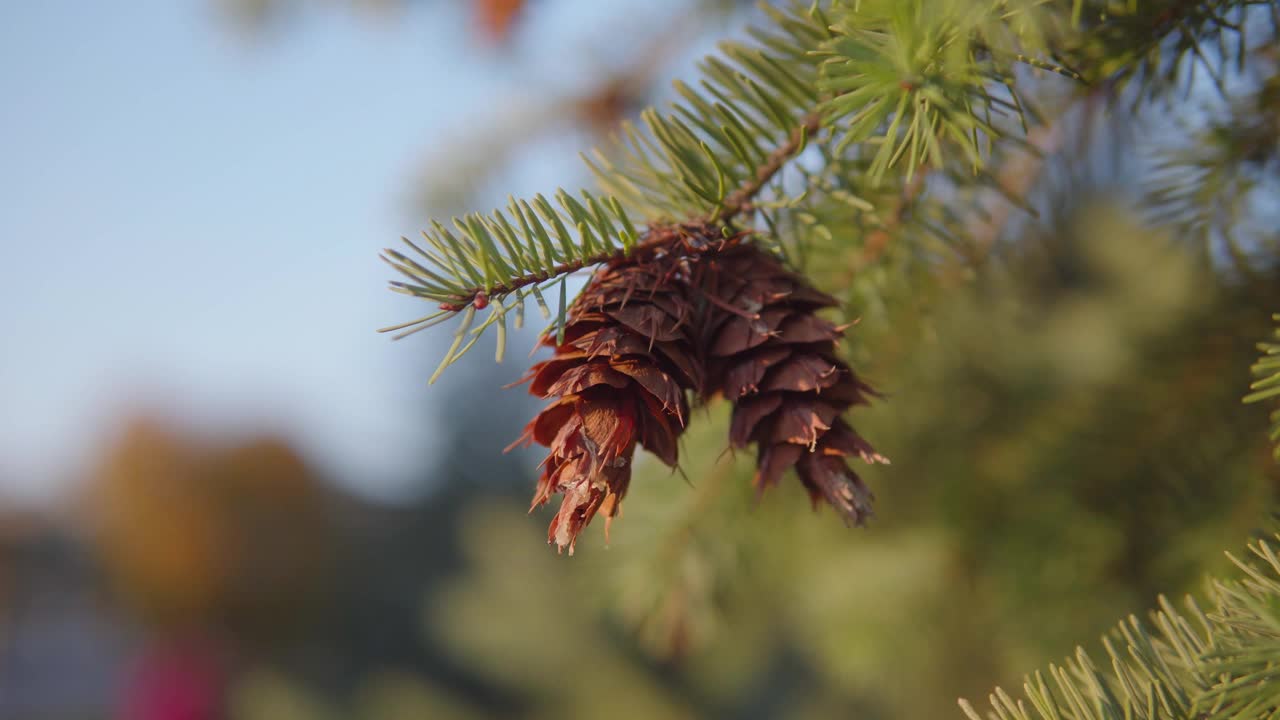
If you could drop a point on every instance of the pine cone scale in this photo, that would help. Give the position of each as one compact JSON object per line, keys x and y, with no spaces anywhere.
{"x":618,"y":379}
{"x":776,"y":360}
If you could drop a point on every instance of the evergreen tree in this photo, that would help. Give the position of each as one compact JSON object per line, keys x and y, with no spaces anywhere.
{"x":1051,"y":221}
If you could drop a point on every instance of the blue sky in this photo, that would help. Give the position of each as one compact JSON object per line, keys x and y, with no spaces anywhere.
{"x":191,"y":218}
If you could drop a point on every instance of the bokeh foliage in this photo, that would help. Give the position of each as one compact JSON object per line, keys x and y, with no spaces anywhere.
{"x":1064,"y":447}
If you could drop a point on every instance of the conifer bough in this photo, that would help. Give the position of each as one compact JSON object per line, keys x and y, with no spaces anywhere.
{"x":642,"y":338}
{"x":880,"y":90}
{"x":1267,"y":386}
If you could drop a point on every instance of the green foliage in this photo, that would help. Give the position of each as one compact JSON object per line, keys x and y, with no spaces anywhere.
{"x":667,"y":172}
{"x":1206,"y":182}
{"x":1064,"y":448}
{"x":1155,"y":43}
{"x":752,"y":111}
{"x":873,"y":87}
{"x":1193,"y":663}
{"x":907,"y":79}
{"x":1066,"y":438}
{"x":880,"y":90}
{"x":505,"y":258}
{"x":1267,"y":369}
{"x":876,"y":92}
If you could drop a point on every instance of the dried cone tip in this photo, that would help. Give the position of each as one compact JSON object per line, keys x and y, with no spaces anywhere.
{"x":618,"y":378}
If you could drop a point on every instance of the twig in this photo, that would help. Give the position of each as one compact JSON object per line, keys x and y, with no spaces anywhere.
{"x":740,"y":199}
{"x":659,"y":237}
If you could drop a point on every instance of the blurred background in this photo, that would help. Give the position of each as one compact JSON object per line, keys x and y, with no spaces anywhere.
{"x":223,"y":496}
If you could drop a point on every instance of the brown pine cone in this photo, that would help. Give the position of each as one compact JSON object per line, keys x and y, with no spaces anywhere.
{"x":776,"y":360}
{"x":619,"y":378}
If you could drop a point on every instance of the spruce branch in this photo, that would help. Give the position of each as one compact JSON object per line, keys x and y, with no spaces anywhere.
{"x":883,"y":84}
{"x":1151,"y":41}
{"x":656,"y":239}
{"x":673,"y":176}
{"x":1181,"y":664}
{"x":1267,"y":386}
{"x":742,"y":198}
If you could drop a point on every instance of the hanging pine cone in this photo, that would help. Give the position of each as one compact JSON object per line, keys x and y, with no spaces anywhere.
{"x":776,"y":360}
{"x":642,"y":335}
{"x":619,"y":378}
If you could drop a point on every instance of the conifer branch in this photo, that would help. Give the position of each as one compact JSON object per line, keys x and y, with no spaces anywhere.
{"x":1183,"y":664}
{"x":656,"y":239}
{"x":885,"y":84}
{"x":742,"y":198}
{"x":659,"y":238}
{"x":1267,"y":386}
{"x":1119,"y":43}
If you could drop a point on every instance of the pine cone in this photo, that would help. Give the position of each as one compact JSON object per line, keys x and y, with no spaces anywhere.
{"x":776,"y":360}
{"x":620,"y":378}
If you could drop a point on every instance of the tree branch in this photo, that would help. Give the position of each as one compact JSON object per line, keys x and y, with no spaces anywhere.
{"x":740,"y":199}
{"x":658,"y":237}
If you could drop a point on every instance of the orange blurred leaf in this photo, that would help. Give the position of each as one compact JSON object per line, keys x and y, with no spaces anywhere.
{"x":497,"y":17}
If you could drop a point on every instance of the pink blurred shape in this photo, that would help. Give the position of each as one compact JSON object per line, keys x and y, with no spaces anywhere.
{"x":176,"y":681}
